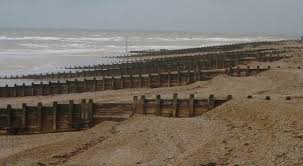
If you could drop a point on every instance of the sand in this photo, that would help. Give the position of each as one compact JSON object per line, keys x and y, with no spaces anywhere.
{"x":240,"y":132}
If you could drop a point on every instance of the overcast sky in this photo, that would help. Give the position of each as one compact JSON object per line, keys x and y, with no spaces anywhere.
{"x":282,"y":16}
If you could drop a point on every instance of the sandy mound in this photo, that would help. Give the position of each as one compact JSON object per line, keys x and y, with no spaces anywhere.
{"x":244,"y":132}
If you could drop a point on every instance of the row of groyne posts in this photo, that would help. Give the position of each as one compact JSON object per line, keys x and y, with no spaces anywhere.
{"x":228,"y":47}
{"x":72,"y":116}
{"x":169,"y":64}
{"x":152,"y":80}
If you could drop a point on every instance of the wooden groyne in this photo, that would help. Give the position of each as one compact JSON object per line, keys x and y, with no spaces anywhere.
{"x":231,"y":58}
{"x":229,"y":47}
{"x":157,"y":66}
{"x":151,"y":80}
{"x":73,"y":116}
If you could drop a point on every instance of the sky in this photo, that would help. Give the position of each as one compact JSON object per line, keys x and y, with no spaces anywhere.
{"x":275,"y":16}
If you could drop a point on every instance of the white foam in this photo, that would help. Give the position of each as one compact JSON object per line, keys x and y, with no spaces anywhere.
{"x":50,"y":38}
{"x":244,"y":39}
{"x":29,"y":38}
{"x":213,"y":39}
{"x":32,"y":45}
{"x":47,"y":52}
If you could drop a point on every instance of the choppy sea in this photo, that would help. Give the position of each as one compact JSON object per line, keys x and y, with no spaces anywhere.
{"x":25,"y":51}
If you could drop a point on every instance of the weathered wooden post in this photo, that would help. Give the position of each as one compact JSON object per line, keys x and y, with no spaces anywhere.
{"x":175,"y":105}
{"x":40,"y":116}
{"x":70,"y":112}
{"x":67,"y":86}
{"x":142,"y":105}
{"x":135,"y":104}
{"x":238,"y":71}
{"x":149,"y":80}
{"x":83,"y":110}
{"x":33,"y":89}
{"x":54,"y":113}
{"x":6,"y":91}
{"x":103,"y":83}
{"x":50,"y":88}
{"x":9,"y":115}
{"x":23,"y":90}
{"x":188,"y":77}
{"x":15,"y":90}
{"x":211,"y":102}
{"x":191,"y":105}
{"x":76,"y":85}
{"x":169,"y":79}
{"x":113,"y":83}
{"x":122,"y":82}
{"x":91,"y":112}
{"x":258,"y":69}
{"x":94,"y":85}
{"x":248,"y":71}
{"x":24,"y":115}
{"x":131,"y":80}
{"x":178,"y":78}
{"x":197,"y":75}
{"x":158,"y":105}
{"x":85,"y":86}
{"x":159,"y":80}
{"x":229,"y":97}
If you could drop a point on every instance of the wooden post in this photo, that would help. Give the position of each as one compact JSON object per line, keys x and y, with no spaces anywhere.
{"x":135,"y":104}
{"x":149,"y":80}
{"x":175,"y":105}
{"x":55,"y":109}
{"x":140,"y":81}
{"x":258,"y":69}
{"x":187,"y":77}
{"x":179,"y":78}
{"x":192,"y":105}
{"x":6,"y":91}
{"x":15,"y":90}
{"x":158,"y":105}
{"x":229,"y":97}
{"x":103,"y":83}
{"x":169,"y":79}
{"x":9,"y":115}
{"x":131,"y":80}
{"x":122,"y":82}
{"x":76,"y":84}
{"x":40,"y":115}
{"x":23,"y":90}
{"x":238,"y":71}
{"x":248,"y":71}
{"x":33,"y":89}
{"x":24,"y":115}
{"x":50,"y":88}
{"x":91,"y":111}
{"x":67,"y":86}
{"x":211,"y":102}
{"x":83,"y":110}
{"x":142,"y":105}
{"x":159,"y":80}
{"x":113,"y":83}
{"x":70,"y":112}
{"x":94,"y":85}
{"x":85,"y":85}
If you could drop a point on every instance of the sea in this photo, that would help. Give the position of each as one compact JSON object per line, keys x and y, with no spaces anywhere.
{"x":29,"y":51}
